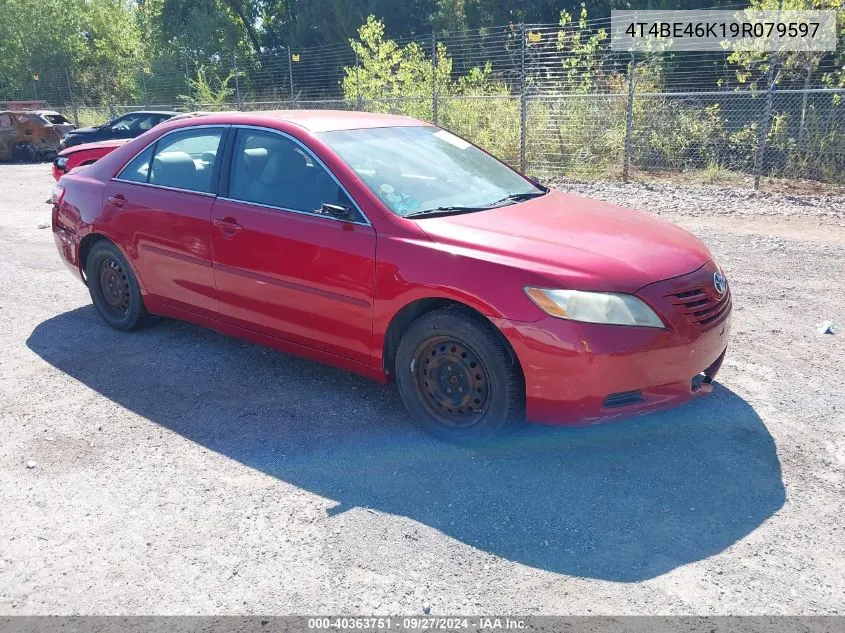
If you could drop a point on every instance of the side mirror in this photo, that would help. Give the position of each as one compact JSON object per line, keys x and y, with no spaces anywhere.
{"x":335,"y":211}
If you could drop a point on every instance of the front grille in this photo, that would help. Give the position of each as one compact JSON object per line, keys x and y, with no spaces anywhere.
{"x":702,"y":305}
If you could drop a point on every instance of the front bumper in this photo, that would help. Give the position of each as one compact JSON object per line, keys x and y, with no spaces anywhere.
{"x":581,"y":373}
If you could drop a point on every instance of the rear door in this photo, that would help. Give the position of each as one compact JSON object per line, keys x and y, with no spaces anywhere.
{"x":160,"y":204}
{"x":280,"y":266}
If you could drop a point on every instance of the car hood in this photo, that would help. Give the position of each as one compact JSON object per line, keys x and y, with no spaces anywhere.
{"x":575,"y":241}
{"x":85,"y":130}
{"x":114,"y":142}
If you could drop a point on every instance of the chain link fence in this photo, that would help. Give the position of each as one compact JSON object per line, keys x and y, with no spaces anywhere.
{"x":549,"y":99}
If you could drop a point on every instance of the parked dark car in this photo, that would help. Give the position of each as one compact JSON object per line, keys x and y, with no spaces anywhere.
{"x":127,"y":126}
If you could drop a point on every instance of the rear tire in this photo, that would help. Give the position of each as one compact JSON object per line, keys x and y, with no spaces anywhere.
{"x":457,"y":379}
{"x":24,"y":152}
{"x":113,"y":287}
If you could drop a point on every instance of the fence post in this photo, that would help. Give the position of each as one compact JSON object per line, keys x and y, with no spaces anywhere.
{"x":237,"y":81}
{"x":629,"y":119}
{"x":804,"y":96}
{"x":144,"y":87}
{"x":765,"y":122}
{"x":290,"y":77}
{"x":72,"y":102}
{"x":187,"y":79}
{"x":359,"y":103}
{"x":434,"y":95}
{"x":523,"y":103}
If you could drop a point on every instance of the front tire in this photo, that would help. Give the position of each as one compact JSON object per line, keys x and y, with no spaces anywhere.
{"x":113,"y":287}
{"x":457,"y":379}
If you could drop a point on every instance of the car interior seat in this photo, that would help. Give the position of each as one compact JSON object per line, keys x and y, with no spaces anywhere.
{"x":287,"y":182}
{"x":176,"y":169}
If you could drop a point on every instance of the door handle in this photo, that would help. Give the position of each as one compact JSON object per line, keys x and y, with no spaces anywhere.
{"x":229,"y":226}
{"x":117,"y":200}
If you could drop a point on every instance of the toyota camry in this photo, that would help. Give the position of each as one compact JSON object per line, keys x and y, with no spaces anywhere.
{"x":390,"y":247}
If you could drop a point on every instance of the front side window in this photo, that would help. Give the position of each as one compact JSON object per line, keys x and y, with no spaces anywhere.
{"x":182,"y":160}
{"x":420,"y":169}
{"x":272,"y":170}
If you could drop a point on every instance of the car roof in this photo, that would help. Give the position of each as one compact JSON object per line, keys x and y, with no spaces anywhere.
{"x":169,"y":112}
{"x":311,"y":120}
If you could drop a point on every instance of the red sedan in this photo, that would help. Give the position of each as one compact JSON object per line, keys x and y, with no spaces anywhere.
{"x":81,"y":155}
{"x":392,"y":248}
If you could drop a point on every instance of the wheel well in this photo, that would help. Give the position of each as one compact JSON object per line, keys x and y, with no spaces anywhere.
{"x":414,"y":310}
{"x":85,"y":247}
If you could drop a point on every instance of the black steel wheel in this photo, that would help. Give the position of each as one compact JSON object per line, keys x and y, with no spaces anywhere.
{"x":456,"y":377}
{"x":113,"y":287}
{"x":451,"y":382}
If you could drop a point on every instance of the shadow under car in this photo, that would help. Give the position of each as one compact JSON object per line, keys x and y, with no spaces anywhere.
{"x":622,"y":501}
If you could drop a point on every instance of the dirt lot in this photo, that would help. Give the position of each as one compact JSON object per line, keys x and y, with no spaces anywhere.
{"x":180,"y":471}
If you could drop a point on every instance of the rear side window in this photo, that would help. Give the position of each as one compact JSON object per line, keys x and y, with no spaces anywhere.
{"x":56,"y":119}
{"x":148,"y":123}
{"x":128,"y":122}
{"x":181,"y":160}
{"x":138,"y":170}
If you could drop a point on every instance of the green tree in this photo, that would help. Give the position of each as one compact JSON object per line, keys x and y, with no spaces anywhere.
{"x":388,"y":70}
{"x":752,"y":67}
{"x":99,"y":41}
{"x":584,"y":52}
{"x":208,"y":93}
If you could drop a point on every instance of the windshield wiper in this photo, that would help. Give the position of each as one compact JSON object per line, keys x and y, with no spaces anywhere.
{"x":443,"y":211}
{"x":509,"y":199}
{"x":519,"y":197}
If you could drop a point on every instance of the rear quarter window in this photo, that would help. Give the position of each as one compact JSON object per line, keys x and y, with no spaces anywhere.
{"x":138,"y":169}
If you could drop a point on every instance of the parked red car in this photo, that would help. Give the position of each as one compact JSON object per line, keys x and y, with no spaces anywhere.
{"x":80,"y":155}
{"x":392,"y":248}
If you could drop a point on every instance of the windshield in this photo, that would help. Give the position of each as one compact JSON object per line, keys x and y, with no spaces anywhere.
{"x":419,"y":169}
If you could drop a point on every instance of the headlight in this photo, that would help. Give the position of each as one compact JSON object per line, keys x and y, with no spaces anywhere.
{"x":594,"y":307}
{"x":61,"y":162}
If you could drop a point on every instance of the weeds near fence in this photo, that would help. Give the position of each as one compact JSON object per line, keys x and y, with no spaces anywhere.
{"x":549,"y":99}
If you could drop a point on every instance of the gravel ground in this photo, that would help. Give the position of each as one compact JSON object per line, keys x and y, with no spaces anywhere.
{"x":177,"y":471}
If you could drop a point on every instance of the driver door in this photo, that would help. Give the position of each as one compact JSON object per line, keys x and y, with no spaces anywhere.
{"x":283,"y":268}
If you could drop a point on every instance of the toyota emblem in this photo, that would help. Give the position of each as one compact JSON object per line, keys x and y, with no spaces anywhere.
{"x":720,"y":283}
